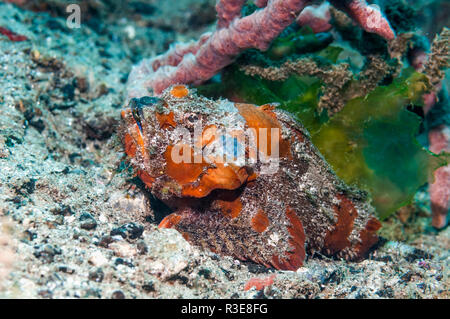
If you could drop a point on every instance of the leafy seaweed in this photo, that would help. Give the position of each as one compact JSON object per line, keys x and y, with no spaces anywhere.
{"x":371,"y":143}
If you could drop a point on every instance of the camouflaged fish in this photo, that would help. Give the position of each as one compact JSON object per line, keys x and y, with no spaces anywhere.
{"x":271,"y":205}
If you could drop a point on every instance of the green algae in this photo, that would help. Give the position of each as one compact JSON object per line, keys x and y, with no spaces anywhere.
{"x":370,"y":143}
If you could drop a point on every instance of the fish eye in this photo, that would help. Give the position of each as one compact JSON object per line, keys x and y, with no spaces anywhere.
{"x":192,"y":118}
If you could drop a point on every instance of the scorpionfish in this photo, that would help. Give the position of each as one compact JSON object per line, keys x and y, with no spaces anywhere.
{"x":267,"y":196}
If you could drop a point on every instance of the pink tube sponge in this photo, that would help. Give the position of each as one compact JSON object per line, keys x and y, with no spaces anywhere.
{"x":439,"y":138}
{"x":369,"y":17}
{"x":196,"y":62}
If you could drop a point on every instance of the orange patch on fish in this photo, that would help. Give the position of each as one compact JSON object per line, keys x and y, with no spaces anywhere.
{"x":368,"y":237}
{"x":260,"y":221}
{"x":230,"y":209}
{"x":179,"y":91}
{"x":166,"y":120}
{"x":260,"y":118}
{"x":218,"y":177}
{"x":186,"y":171}
{"x":337,"y":238}
{"x":130,"y":146}
{"x":169,"y":221}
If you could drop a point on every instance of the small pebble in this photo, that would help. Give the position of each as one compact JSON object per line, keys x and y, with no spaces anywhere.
{"x":87,"y":221}
{"x":118,"y":294}
{"x":96,"y":275}
{"x":129,"y":230}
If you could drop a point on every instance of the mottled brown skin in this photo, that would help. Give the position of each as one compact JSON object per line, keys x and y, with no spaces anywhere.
{"x":272,"y":219}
